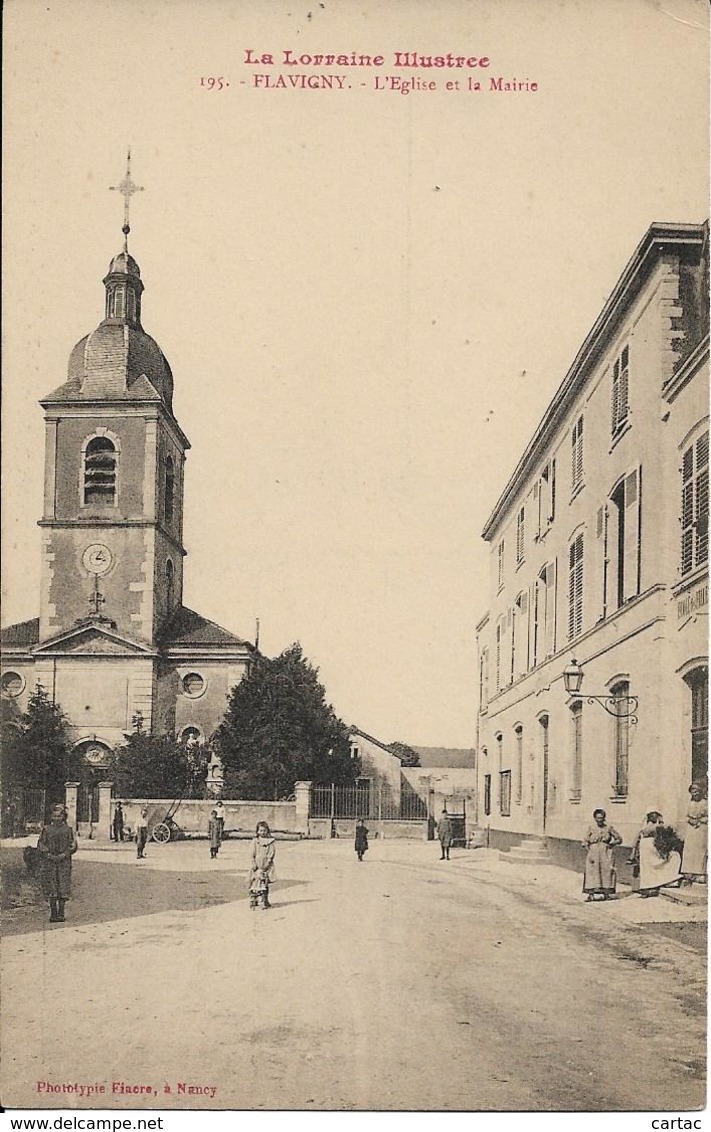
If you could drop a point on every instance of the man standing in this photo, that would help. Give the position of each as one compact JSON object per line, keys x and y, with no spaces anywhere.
{"x":141,"y":832}
{"x":444,"y":833}
{"x":118,"y":822}
{"x":219,"y":812}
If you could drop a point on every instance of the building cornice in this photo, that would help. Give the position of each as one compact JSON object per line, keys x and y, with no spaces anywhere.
{"x":98,"y":521}
{"x":659,"y":238}
{"x":149,"y":410}
{"x":690,"y":367}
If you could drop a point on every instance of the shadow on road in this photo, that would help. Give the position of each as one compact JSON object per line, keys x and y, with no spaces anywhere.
{"x":108,"y":890}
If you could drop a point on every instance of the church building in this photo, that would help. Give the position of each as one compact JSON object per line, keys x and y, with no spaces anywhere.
{"x":113,"y":642}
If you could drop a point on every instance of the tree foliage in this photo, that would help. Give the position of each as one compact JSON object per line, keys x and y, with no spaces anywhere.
{"x":279,"y":730}
{"x":158,"y":766}
{"x":36,"y":748}
{"x":407,"y":756}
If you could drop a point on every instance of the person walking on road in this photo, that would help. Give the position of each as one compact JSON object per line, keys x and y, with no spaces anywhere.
{"x":361,"y":839}
{"x":444,"y":833}
{"x":262,"y":872}
{"x":600,"y":877}
{"x":118,"y":822}
{"x":141,"y":832}
{"x":57,"y":844}
{"x":214,"y":832}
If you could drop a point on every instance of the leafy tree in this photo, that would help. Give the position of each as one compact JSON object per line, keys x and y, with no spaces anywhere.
{"x":158,"y":766}
{"x":36,"y":748}
{"x":407,"y":756}
{"x":278,"y":730}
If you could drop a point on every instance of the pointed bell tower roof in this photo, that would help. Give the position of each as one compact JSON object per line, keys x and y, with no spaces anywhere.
{"x":119,"y":360}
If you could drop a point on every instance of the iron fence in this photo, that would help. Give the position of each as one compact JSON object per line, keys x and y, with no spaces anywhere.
{"x":366,"y":800}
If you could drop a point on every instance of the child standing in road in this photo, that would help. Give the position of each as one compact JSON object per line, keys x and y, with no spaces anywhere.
{"x":57,"y":844}
{"x":261,"y":873}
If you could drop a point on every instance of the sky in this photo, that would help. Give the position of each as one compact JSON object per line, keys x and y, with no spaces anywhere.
{"x":367,"y":298}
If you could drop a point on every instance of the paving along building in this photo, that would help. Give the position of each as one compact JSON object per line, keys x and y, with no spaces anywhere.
{"x":113,"y":639}
{"x":599,"y":553}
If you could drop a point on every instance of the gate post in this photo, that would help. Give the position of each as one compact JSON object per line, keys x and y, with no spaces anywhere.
{"x":71,"y":798}
{"x":302,"y":793}
{"x":103,"y":826}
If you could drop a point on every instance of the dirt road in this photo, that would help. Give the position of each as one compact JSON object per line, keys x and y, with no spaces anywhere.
{"x":401,"y":982}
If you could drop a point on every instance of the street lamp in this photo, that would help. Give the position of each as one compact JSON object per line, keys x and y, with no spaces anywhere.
{"x":620,"y":707}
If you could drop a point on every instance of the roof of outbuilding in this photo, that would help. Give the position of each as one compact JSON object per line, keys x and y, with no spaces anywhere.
{"x":446,"y":756}
{"x":21,"y":634}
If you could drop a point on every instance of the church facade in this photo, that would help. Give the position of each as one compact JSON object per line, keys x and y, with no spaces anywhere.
{"x":113,"y":642}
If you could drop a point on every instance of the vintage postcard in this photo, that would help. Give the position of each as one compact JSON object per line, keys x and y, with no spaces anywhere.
{"x":355,"y":590}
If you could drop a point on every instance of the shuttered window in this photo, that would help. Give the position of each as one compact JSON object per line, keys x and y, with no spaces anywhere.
{"x":575,"y":588}
{"x":519,"y":765}
{"x":576,"y":776}
{"x":620,"y":391}
{"x":521,"y":535}
{"x":695,"y":505}
{"x":519,"y":643}
{"x":624,"y":543}
{"x":487,"y":794}
{"x":505,"y":793}
{"x":620,"y":692}
{"x":500,"y":553}
{"x":577,"y":454}
{"x":100,"y":462}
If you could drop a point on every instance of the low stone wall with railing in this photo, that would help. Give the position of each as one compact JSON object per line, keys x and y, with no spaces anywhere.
{"x":192,"y":815}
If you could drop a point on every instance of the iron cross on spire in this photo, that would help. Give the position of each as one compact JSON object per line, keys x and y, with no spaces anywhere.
{"x":127,"y":188}
{"x":97,"y":599}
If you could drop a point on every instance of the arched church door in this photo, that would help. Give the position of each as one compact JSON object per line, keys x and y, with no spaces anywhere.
{"x":95,"y":757}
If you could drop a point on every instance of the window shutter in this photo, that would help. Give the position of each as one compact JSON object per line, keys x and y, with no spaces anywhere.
{"x":551,"y":493}
{"x":623,"y":407}
{"x":633,"y":486}
{"x":550,"y":608}
{"x":537,"y":508}
{"x":601,"y":532}
{"x":615,"y":395}
{"x":533,"y":628}
{"x":701,"y":513}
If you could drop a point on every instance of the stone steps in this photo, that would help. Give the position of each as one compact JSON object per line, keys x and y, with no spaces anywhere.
{"x":531,"y":851}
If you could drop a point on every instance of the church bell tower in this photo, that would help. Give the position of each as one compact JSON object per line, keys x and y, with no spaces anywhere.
{"x":112,"y":547}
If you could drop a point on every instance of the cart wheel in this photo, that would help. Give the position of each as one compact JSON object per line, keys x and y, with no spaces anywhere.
{"x":161,"y":833}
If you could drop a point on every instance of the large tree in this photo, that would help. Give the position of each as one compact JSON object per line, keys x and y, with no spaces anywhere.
{"x":278,"y":730}
{"x":405,"y":753}
{"x":36,"y":748}
{"x":158,"y":766}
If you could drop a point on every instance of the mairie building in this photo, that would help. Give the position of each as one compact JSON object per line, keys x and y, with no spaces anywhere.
{"x":599,"y":555}
{"x":113,"y":642}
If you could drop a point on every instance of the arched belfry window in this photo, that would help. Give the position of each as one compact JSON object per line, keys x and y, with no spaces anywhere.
{"x":100,"y":467}
{"x":169,"y":585}
{"x":169,"y":489}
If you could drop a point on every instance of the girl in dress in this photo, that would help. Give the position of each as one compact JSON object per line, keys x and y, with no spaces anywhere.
{"x":57,"y":844}
{"x":262,"y":872}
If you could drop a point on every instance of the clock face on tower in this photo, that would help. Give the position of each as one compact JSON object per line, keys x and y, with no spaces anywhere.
{"x":97,"y":558}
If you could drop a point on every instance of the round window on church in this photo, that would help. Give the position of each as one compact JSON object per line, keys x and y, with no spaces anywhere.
{"x":193,"y":684}
{"x":12,"y":684}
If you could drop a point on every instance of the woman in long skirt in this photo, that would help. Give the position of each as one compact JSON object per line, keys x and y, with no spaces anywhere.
{"x":656,"y":868}
{"x":694,"y":861}
{"x":600,"y":877}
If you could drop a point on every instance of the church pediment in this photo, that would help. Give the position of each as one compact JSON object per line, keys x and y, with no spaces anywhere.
{"x":91,"y":640}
